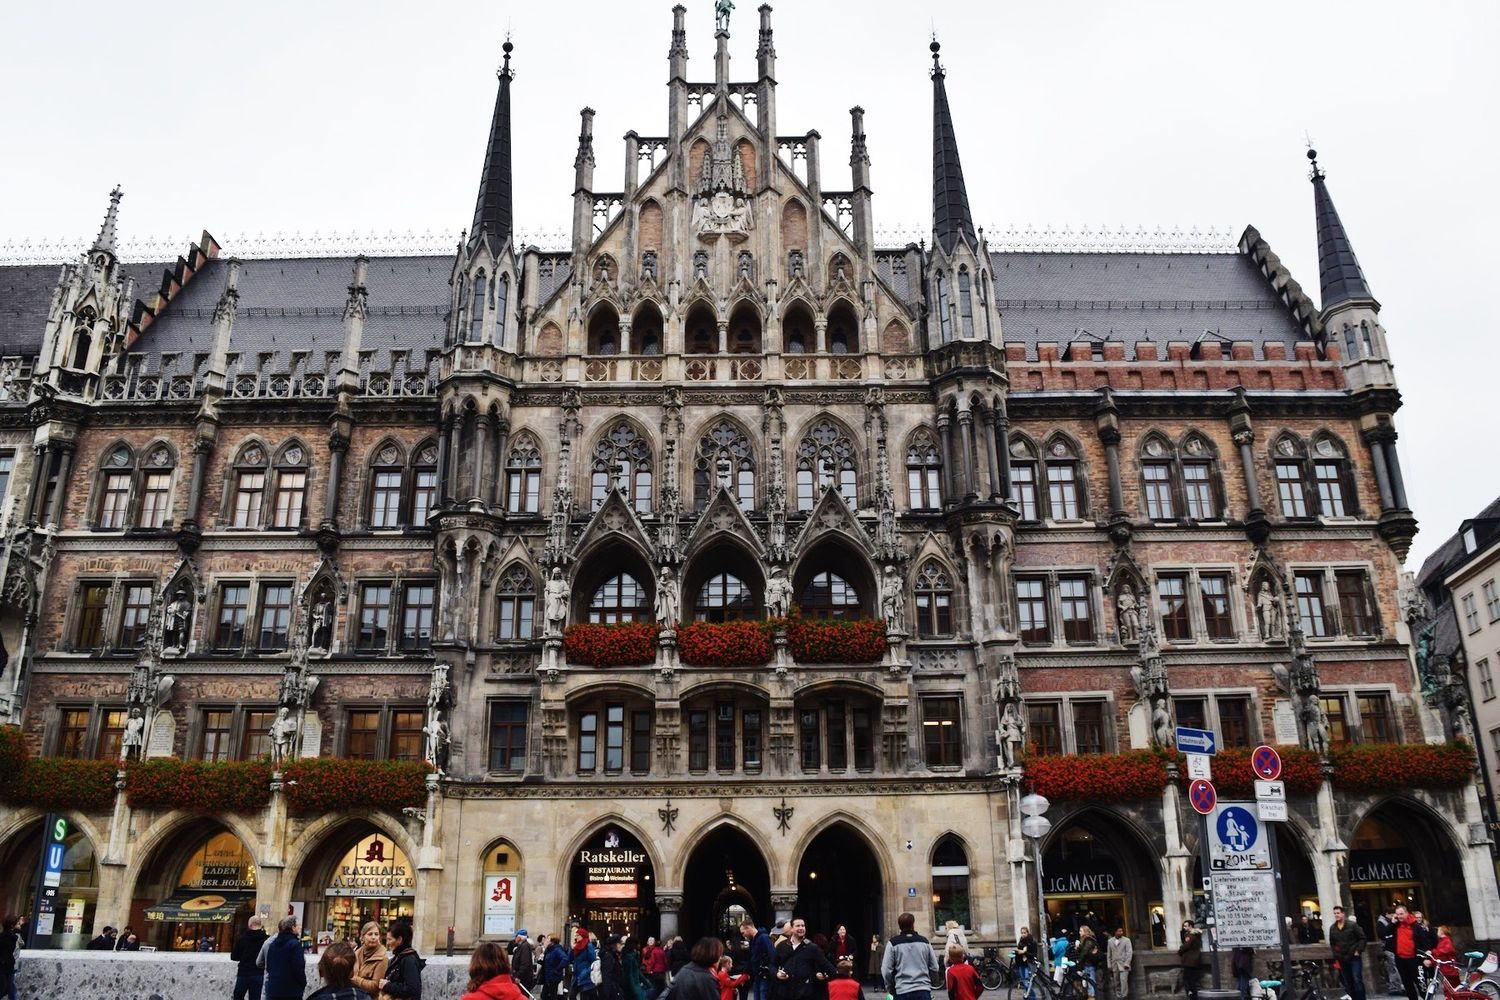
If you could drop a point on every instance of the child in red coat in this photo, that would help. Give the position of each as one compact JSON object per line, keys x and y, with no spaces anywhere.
{"x":728,"y":985}
{"x":844,"y":986}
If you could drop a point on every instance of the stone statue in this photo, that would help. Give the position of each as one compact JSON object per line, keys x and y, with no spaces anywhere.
{"x":556,"y":601}
{"x":437,"y":694}
{"x":1012,"y":735}
{"x":721,"y":14}
{"x":178,"y":621}
{"x":1128,"y":614}
{"x":320,"y":630}
{"x":290,"y":692}
{"x":668,"y":602}
{"x":778,"y":594}
{"x":1150,"y":643}
{"x":283,"y":735}
{"x":1161,"y":723}
{"x":139,"y":688}
{"x":1269,"y":612}
{"x":133,"y":745}
{"x":438,"y":740}
{"x":892,"y":599}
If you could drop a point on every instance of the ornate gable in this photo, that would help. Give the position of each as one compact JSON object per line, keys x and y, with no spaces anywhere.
{"x":613,"y":520}
{"x":722,"y":518}
{"x":831,"y":516}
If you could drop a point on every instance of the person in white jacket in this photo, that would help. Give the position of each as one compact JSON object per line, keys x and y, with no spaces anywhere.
{"x":955,"y":937}
{"x":1119,"y":956}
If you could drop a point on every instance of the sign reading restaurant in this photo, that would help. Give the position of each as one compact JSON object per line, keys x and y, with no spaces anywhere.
{"x":611,"y":872}
{"x":374,"y":868}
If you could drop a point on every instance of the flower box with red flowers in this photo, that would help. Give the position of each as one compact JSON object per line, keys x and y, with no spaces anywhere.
{"x":1375,"y":767}
{"x":199,"y":785}
{"x":860,"y":640}
{"x":330,"y":784}
{"x":626,"y":644}
{"x":1099,"y":777}
{"x":1234,"y":779}
{"x":53,"y":782}
{"x":726,"y":645}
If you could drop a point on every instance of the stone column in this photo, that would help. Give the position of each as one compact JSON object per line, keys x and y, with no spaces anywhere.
{"x":502,"y":435}
{"x":41,"y":465}
{"x":481,"y":453}
{"x":669,"y":905}
{"x":1393,"y":466}
{"x":1382,"y":473}
{"x":945,"y":446}
{"x":820,"y":335}
{"x":783,"y":902}
{"x":338,"y":445}
{"x":445,"y":444}
{"x":1002,"y":443}
{"x":64,"y":464}
{"x":1244,"y":440}
{"x":1111,"y":438}
{"x":993,"y":453}
{"x":724,"y":337}
{"x":970,"y":454}
{"x":195,"y":490}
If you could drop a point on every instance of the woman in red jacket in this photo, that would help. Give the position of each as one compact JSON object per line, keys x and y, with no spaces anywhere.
{"x":489,"y":975}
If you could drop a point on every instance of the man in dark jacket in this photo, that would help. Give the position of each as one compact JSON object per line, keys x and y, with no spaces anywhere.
{"x":104,"y":942}
{"x":286,"y":969}
{"x":1347,"y":941}
{"x":403,"y":977}
{"x":249,"y":979}
{"x":522,"y":961}
{"x":554,"y":968}
{"x":805,"y":968}
{"x":762,"y":961}
{"x":910,"y":965}
{"x":127,"y":941}
{"x":1190,"y":957}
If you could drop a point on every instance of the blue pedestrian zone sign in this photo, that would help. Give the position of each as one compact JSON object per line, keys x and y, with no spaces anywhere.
{"x":1197,"y":740}
{"x":1237,"y":839}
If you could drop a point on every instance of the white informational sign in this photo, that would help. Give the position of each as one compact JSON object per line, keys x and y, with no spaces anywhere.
{"x":1272,"y":811}
{"x":1237,"y":839}
{"x":1244,"y":903}
{"x":1284,"y":721}
{"x":500,"y":904}
{"x":1199,"y":767}
{"x":1270,"y":801}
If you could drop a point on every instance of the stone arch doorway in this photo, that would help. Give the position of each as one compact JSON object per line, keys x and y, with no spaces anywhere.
{"x":724,"y":881}
{"x":1400,"y":854}
{"x":198,"y":883}
{"x":1094,"y":872}
{"x":357,"y":873}
{"x":612,"y":885}
{"x":78,"y":894}
{"x":839,"y":881}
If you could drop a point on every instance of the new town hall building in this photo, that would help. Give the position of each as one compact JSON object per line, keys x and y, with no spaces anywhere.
{"x":350,"y":507}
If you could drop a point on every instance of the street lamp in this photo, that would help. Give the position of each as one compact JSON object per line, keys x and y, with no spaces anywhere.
{"x":1034,"y":827}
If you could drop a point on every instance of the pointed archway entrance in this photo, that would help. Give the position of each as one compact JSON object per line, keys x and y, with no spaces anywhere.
{"x":726,"y":880}
{"x":839,"y":883}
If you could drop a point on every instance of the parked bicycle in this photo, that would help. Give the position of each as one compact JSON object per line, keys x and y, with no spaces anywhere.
{"x":994,"y":972}
{"x":1467,"y":982}
{"x":1044,"y":987}
{"x":1305,"y":985}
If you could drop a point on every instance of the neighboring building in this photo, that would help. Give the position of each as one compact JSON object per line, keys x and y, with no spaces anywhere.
{"x":1458,"y":638}
{"x":1092,"y":492}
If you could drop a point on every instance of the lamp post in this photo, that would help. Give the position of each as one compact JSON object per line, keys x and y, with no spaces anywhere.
{"x":1034,"y":827}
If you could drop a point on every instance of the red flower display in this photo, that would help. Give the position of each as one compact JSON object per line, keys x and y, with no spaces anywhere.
{"x":836,"y":641}
{"x":1233,"y":778}
{"x":200,"y":785}
{"x":626,"y":644}
{"x":53,"y":782}
{"x":330,"y":784}
{"x":1103,"y":777}
{"x":726,"y":644}
{"x":1375,"y":767}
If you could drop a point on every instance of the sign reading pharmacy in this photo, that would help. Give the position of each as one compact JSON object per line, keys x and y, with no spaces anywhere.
{"x":1237,"y":840}
{"x":374,"y":867}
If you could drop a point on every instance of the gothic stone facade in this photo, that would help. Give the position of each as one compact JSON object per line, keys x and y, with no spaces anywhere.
{"x":1090,"y":492}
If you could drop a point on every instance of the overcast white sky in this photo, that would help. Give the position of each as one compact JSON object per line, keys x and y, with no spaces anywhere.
{"x":337,"y":115}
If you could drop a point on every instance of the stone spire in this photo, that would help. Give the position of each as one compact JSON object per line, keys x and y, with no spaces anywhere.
{"x":105,"y":241}
{"x":492,"y":211}
{"x":950,"y":200}
{"x":1339,"y":269}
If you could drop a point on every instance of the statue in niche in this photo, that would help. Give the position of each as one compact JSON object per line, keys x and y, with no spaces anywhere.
{"x":283,"y":735}
{"x":439,"y":738}
{"x":556,"y":601}
{"x":648,"y":266}
{"x":778,"y":594}
{"x":177,"y":622}
{"x":668,"y":601}
{"x":721,"y":196}
{"x":892,"y":599}
{"x":1269,"y":613}
{"x":1012,"y":734}
{"x":1128,"y":614}
{"x":320,"y":624}
{"x":133,"y":744}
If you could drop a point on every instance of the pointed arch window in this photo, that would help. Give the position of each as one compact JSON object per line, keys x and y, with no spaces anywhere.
{"x":156,"y":488}
{"x":115,"y":483}
{"x":965,"y":303}
{"x":1023,"y":480}
{"x":934,"y":597}
{"x":517,"y":611}
{"x":724,"y":460}
{"x":622,"y":461}
{"x":523,"y":478}
{"x":1156,"y":480}
{"x":1064,"y":495}
{"x":724,"y":597}
{"x":945,"y":319}
{"x":476,"y":310}
{"x":618,"y":599}
{"x":424,"y":484}
{"x":1291,"y":481}
{"x":385,"y":487}
{"x":1364,"y":338}
{"x":249,"y":487}
{"x":291,"y":487}
{"x":825,"y":457}
{"x":843,"y":330}
{"x":924,"y":472}
{"x":83,"y":341}
{"x":1331,"y":475}
{"x":950,"y":882}
{"x":828,"y":595}
{"x":502,"y":299}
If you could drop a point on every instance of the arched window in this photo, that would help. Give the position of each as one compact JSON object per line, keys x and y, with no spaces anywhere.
{"x":1364,"y":339}
{"x":424,"y":484}
{"x":156,"y":487}
{"x":517,"y":611}
{"x":965,"y":304}
{"x":1335,"y":485}
{"x":950,"y":882}
{"x":724,"y":597}
{"x":1156,"y":479}
{"x":724,"y":459}
{"x":249,"y":487}
{"x":825,"y":458}
{"x":646,"y":330}
{"x":924,"y":472}
{"x":1351,"y":349}
{"x":523,"y":477}
{"x":622,"y":461}
{"x":502,"y":299}
{"x":796,"y":330}
{"x":744,"y":330}
{"x":386,"y":475}
{"x":934,"y":593}
{"x":82,"y":341}
{"x":945,"y":319}
{"x":116,"y":478}
{"x":1023,"y":479}
{"x":1289,"y":457}
{"x":702,"y":331}
{"x":1199,"y":486}
{"x":291,"y":487}
{"x":604,"y":331}
{"x":618,"y":599}
{"x":476,"y":311}
{"x":843,"y":330}
{"x":828,"y":595}
{"x":984,"y":303}
{"x":1064,"y":493}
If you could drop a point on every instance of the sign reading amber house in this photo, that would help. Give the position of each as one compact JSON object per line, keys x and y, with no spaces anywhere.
{"x":374,"y":867}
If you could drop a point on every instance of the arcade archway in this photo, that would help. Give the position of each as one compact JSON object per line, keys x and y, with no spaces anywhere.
{"x":725,"y":881}
{"x":79,"y":890}
{"x":195,"y":891}
{"x":612,"y":885}
{"x":839,"y":881}
{"x":1400,"y":854}
{"x":1094,"y":873}
{"x":357,"y":874}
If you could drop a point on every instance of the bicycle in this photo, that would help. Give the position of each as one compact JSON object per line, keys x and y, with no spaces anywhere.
{"x":1305,"y":984}
{"x":1472,"y":981}
{"x":993,"y":971}
{"x":1043,"y":987}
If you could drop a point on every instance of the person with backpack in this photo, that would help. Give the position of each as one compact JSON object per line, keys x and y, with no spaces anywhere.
{"x":248,"y":978}
{"x":403,"y":976}
{"x":584,"y":963}
{"x":634,"y":984}
{"x":1088,"y":957}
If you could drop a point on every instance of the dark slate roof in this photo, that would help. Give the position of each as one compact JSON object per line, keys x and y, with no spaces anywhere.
{"x":950,"y":199}
{"x":492,"y":209}
{"x":554,"y":270}
{"x":25,"y":296}
{"x":1448,"y":556}
{"x":297,"y":304}
{"x":1338,"y":268}
{"x":1446,"y":637}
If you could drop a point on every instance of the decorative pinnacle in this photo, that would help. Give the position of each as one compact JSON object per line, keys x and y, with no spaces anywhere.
{"x":505,"y":71}
{"x":1312,"y":155}
{"x":106,"y":239}
{"x":935,"y":47}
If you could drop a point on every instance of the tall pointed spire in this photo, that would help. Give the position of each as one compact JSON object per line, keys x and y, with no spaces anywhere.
{"x":492,"y":212}
{"x":950,"y":200}
{"x":105,"y":241}
{"x":1342,"y":278}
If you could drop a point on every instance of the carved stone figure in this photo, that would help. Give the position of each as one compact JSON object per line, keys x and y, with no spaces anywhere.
{"x":283,"y":735}
{"x":721,"y":14}
{"x":1269,"y":613}
{"x":1161,"y":723}
{"x":556,"y":601}
{"x":1150,"y":643}
{"x":290,"y":692}
{"x":438,"y":740}
{"x":177,"y":622}
{"x":778,"y":594}
{"x":1128,"y":614}
{"x":133,"y":744}
{"x":139,"y":689}
{"x":892,"y":599}
{"x":1012,"y":735}
{"x":438,"y":693}
{"x":668,"y":600}
{"x":320,"y":631}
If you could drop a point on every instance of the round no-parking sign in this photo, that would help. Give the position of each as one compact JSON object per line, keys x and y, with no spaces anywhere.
{"x":1266,"y":763}
{"x":1202,"y":796}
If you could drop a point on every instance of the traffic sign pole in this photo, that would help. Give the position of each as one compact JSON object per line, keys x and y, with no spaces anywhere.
{"x":1286,"y":940}
{"x":1205,"y":867}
